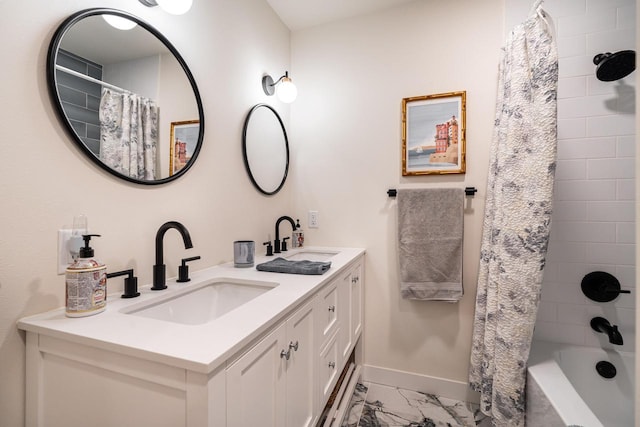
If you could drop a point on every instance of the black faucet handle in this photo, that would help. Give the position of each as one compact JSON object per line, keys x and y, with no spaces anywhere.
{"x":183,"y":270}
{"x":617,"y":291}
{"x":130,"y":283}
{"x":269,"y":248}
{"x":284,"y":244}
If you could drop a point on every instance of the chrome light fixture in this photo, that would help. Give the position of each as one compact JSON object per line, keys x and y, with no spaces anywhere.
{"x":283,"y":87}
{"x":174,"y":7}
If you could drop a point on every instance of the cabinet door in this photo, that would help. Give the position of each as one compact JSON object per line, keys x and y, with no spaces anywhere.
{"x":301,"y":368}
{"x":256,"y":384}
{"x":344,"y":317}
{"x":356,"y":302}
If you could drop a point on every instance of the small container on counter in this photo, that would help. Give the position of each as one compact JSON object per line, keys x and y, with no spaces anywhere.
{"x":86,"y":283}
{"x":298,"y":236}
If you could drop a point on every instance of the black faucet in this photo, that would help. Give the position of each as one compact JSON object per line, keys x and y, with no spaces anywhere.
{"x":276,"y":243}
{"x":159,"y":269}
{"x":600,"y":324}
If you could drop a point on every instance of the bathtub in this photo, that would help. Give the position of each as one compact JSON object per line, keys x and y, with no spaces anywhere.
{"x":564,"y":388}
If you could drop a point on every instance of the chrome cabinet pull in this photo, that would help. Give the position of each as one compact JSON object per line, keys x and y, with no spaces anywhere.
{"x":332,"y":365}
{"x":285,"y":354}
{"x":293,"y":346}
{"x":332,"y":308}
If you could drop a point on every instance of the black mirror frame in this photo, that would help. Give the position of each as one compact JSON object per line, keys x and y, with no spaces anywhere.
{"x":55,"y":98}
{"x":244,"y":150}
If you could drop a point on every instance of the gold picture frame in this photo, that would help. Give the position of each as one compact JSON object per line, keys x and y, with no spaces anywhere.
{"x":434,"y":134}
{"x":183,"y":142}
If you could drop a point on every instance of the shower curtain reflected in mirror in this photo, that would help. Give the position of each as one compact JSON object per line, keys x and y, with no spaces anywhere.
{"x":129,"y":133}
{"x":517,"y":219}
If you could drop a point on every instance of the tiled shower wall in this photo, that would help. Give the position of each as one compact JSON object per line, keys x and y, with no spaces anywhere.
{"x":81,"y":98}
{"x":593,"y":225}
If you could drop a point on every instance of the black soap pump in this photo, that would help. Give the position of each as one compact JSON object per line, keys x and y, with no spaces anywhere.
{"x":86,"y":283}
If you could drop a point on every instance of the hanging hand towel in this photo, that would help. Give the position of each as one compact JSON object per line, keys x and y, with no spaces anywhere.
{"x":430,"y":226}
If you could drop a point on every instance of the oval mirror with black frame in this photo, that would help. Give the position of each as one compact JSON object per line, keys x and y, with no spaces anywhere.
{"x":125,"y":96}
{"x":266,"y":149}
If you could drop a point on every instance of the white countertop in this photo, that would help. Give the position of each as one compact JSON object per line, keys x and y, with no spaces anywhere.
{"x":201,"y":348}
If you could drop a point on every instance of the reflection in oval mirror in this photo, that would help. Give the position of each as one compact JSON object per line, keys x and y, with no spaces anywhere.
{"x":126,"y":96}
{"x":266,"y":149}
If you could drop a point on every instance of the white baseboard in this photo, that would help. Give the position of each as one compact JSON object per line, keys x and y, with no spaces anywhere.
{"x":457,"y":390}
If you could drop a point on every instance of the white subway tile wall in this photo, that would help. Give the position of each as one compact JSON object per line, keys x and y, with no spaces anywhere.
{"x":593,"y":226}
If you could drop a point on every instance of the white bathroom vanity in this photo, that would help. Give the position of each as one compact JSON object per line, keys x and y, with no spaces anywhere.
{"x":232,"y":347}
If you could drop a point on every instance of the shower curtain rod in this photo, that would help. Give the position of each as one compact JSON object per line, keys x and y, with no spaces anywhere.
{"x":91,"y":79}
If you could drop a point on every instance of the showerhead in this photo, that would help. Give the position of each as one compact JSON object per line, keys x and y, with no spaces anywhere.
{"x":614,"y":66}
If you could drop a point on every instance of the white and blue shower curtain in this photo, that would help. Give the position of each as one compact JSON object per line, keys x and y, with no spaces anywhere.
{"x":129,"y":134}
{"x":517,"y":219}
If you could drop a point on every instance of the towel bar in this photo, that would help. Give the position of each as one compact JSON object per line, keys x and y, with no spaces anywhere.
{"x":468,"y":191}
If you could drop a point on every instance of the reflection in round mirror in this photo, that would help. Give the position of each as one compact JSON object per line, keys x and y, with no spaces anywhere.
{"x":126,"y":96}
{"x":266,"y":149}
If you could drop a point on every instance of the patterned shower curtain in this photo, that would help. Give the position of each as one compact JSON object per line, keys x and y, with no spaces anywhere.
{"x":129,"y":133}
{"x":517,"y":219}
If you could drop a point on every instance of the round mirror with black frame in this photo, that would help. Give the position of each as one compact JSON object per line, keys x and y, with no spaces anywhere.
{"x":265,"y":148}
{"x":125,"y":95}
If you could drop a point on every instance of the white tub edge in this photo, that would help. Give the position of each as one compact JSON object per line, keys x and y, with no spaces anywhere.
{"x":556,"y":386}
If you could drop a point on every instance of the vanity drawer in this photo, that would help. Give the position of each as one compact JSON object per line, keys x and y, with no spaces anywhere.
{"x":329,"y":368}
{"x":327,"y":311}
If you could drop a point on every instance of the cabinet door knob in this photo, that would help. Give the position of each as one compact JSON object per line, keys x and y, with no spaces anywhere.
{"x":293,"y":346}
{"x":332,"y":308}
{"x":285,"y":354}
{"x":332,"y":365}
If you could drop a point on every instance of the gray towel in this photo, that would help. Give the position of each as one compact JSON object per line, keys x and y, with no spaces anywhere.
{"x":281,"y":265}
{"x":430,"y":225}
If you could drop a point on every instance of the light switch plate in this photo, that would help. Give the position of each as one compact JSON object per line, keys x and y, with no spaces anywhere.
{"x":314,"y":219}
{"x":64,"y":257}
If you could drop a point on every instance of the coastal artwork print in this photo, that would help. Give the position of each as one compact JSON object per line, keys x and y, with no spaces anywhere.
{"x":184,"y":139}
{"x":433,"y":134}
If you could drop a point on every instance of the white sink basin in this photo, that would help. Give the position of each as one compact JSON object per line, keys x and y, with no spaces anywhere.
{"x":311,"y":256}
{"x":203,"y":303}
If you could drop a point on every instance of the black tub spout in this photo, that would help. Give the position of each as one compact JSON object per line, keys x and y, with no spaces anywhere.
{"x":600,"y":324}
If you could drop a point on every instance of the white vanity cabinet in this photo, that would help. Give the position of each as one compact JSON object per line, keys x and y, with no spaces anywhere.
{"x":76,"y":385}
{"x":273,"y":383}
{"x":271,"y":362}
{"x":286,"y":378}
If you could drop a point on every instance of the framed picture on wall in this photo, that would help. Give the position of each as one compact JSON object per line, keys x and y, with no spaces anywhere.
{"x":433,"y":134}
{"x":184,"y":138}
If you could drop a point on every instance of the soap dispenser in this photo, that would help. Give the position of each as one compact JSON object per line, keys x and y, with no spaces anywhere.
{"x":298,"y":236}
{"x":86,"y":283}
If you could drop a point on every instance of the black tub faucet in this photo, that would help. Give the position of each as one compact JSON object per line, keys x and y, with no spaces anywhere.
{"x":159,"y":269}
{"x":600,"y":324}
{"x":276,"y":243}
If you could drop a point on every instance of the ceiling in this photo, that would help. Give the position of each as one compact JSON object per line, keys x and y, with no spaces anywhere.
{"x":300,"y":14}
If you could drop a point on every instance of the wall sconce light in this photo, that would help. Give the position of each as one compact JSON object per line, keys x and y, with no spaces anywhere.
{"x":284,"y":87}
{"x":174,"y":7}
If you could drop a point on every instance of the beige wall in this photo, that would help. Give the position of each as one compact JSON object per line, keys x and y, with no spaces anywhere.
{"x":45,"y":180}
{"x":352,"y":76}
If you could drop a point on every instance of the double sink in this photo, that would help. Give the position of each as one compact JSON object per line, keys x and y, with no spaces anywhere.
{"x":207,"y":301}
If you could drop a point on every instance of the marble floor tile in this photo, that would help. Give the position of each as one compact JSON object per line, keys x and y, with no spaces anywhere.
{"x":375,"y":405}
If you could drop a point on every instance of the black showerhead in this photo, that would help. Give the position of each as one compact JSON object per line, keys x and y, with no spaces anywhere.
{"x":614,"y":66}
